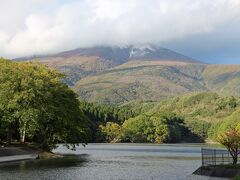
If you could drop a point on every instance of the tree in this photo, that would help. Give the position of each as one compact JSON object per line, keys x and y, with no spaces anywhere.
{"x":137,"y":129}
{"x":162,"y":131}
{"x":158,"y":128}
{"x":231,"y":140}
{"x":112,"y":131}
{"x":8,"y":83}
{"x":45,"y":109}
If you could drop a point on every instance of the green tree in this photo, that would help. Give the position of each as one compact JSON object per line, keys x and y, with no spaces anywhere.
{"x":112,"y":131}
{"x":8,"y":83}
{"x":161,"y":133}
{"x":137,"y":129}
{"x":35,"y":98}
{"x":157,"y":128}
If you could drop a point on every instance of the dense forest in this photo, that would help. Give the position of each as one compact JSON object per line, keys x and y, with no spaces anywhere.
{"x":194,"y":117}
{"x":36,"y":106}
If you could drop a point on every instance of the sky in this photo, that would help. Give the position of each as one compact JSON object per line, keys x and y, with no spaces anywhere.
{"x":207,"y":30}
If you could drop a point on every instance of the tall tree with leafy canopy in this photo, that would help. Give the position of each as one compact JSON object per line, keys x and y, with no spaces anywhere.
{"x":8,"y":86}
{"x":46,"y":110}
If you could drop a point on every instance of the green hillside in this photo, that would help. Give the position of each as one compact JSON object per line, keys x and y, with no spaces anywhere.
{"x":141,"y":81}
{"x":198,"y":109}
{"x":190,"y":118}
{"x":228,"y":122}
{"x":224,"y":79}
{"x":157,"y":80}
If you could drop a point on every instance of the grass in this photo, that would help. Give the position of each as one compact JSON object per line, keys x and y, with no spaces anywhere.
{"x":236,"y":178}
{"x":232,"y":166}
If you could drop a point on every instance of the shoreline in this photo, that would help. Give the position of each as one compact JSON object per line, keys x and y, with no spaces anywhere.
{"x":19,"y":152}
{"x":15,"y":153}
{"x":218,"y":171}
{"x":16,"y":158}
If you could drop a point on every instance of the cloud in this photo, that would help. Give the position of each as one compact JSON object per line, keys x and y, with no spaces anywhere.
{"x":45,"y":26}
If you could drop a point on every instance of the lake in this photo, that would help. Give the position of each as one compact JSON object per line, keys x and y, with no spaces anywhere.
{"x":112,"y":161}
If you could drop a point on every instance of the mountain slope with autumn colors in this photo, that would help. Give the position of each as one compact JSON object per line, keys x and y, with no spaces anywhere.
{"x":116,"y":75}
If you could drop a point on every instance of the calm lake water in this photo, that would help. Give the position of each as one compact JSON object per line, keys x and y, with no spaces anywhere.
{"x":112,"y":161}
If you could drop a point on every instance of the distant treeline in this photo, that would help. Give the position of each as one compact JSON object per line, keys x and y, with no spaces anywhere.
{"x":190,"y":118}
{"x":101,"y":114}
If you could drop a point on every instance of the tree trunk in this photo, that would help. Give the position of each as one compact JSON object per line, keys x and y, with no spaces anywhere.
{"x":235,"y":159}
{"x":23,"y":135}
{"x":45,"y":145}
{"x":9,"y":137}
{"x":234,"y":153}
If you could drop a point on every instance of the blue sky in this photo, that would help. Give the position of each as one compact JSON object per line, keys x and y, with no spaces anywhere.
{"x":205,"y":30}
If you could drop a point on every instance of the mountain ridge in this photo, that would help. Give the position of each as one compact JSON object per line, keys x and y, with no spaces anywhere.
{"x":123,"y":54}
{"x":116,"y":75}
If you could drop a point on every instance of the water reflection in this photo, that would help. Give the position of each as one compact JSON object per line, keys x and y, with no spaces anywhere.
{"x":111,"y":161}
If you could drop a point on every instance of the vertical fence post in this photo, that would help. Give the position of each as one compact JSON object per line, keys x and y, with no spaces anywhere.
{"x":202,"y":156}
{"x":222,"y":158}
{"x":215,"y":157}
{"x":228,"y":158}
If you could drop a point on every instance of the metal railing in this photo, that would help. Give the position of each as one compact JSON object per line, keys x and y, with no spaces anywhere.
{"x":212,"y":157}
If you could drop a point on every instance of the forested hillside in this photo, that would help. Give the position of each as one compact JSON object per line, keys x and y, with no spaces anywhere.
{"x":189,"y":118}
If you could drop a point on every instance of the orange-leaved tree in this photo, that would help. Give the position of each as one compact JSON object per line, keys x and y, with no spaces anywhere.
{"x":231,"y":140}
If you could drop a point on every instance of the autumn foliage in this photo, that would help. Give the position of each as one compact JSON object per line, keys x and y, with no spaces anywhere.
{"x":231,"y":140}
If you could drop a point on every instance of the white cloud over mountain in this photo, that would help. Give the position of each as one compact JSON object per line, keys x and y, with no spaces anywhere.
{"x":45,"y":26}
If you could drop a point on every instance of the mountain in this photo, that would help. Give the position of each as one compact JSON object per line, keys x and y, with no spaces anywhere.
{"x":118,"y":55}
{"x":116,"y":75}
{"x":142,"y":80}
{"x":82,"y":62}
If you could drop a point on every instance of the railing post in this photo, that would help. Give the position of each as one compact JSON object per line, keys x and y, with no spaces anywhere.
{"x":215,"y":157}
{"x":228,"y":158}
{"x":222,"y":158}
